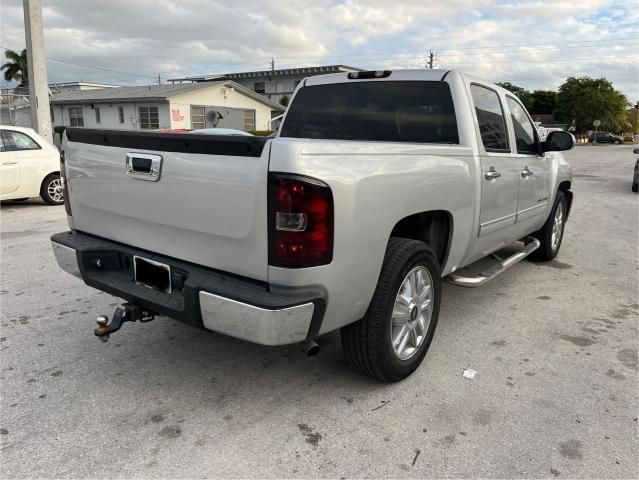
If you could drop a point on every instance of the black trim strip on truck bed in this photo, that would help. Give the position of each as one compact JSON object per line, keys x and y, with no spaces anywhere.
{"x":232,"y":145}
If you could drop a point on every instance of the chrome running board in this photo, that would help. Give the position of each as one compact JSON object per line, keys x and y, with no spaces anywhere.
{"x":465,"y":278}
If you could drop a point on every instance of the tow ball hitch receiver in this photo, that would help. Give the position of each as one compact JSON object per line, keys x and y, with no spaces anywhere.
{"x":127,"y":312}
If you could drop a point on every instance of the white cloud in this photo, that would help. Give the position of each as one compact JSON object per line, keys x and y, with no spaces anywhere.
{"x":177,"y":38}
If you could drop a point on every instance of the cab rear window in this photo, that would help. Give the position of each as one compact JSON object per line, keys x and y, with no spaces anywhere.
{"x":416,"y":112}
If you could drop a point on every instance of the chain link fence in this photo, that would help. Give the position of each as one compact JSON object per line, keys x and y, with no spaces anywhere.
{"x":15,"y":108}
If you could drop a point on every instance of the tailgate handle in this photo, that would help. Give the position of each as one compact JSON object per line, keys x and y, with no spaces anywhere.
{"x":143,"y":166}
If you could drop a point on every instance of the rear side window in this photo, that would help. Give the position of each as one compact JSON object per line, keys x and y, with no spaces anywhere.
{"x":416,"y":112}
{"x":524,"y":129}
{"x":490,"y":116}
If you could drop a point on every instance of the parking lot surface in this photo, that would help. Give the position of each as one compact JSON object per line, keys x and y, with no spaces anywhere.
{"x":555,"y":346}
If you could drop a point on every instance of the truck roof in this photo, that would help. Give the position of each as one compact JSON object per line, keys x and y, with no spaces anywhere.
{"x":424,"y":75}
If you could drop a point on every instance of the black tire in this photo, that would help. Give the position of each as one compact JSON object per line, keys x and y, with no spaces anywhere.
{"x":367,"y":342}
{"x":546,"y":250}
{"x":45,"y":192}
{"x":635,"y":187}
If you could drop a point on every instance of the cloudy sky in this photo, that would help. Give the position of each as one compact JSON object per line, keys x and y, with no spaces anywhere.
{"x":533,"y":43}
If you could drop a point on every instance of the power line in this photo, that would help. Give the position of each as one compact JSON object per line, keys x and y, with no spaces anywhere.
{"x":96,"y":67}
{"x":465,"y":48}
{"x":418,"y":59}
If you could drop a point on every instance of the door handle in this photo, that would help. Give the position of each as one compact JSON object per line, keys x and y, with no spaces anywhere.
{"x":492,"y":174}
{"x":9,"y":163}
{"x":143,"y":166}
{"x":526,"y":172}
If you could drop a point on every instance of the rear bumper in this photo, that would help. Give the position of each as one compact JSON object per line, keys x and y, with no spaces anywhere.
{"x":202,"y":297}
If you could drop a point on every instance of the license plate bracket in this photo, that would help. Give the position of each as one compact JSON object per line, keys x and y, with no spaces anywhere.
{"x":152,"y":274}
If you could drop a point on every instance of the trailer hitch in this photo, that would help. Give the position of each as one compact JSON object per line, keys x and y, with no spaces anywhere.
{"x":127,"y":312}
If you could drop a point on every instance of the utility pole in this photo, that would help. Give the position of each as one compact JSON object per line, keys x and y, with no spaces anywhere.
{"x":37,"y":67}
{"x":272,"y":65}
{"x":159,"y":80}
{"x":431,"y":57}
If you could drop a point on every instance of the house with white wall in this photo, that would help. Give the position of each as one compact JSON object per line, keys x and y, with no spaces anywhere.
{"x":223,"y":104}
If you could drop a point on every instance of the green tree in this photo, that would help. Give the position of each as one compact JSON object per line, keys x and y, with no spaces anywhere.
{"x":524,"y":95}
{"x":632,"y":120}
{"x":16,"y":67}
{"x":543,"y":101}
{"x":284,"y":100}
{"x":581,"y":100}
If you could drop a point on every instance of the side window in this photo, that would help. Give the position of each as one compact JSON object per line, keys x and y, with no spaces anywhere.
{"x":22,"y":141}
{"x":490,"y":116}
{"x":2,"y":146}
{"x":524,"y":129}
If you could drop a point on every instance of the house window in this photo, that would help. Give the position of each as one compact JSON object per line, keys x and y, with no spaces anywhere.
{"x":121,"y":114}
{"x":197,"y":118}
{"x":260,"y":87}
{"x":149,"y":118}
{"x":76,"y":119}
{"x":97,"y":115}
{"x":249,"y":120}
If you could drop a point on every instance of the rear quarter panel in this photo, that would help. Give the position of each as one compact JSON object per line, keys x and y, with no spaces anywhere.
{"x":375,"y":185}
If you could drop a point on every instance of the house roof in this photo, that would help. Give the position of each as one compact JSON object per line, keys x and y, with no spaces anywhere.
{"x":319,"y":70}
{"x":80,"y":84}
{"x":150,"y":93}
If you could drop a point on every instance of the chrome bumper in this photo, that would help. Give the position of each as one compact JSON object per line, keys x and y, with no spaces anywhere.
{"x":66,"y":258}
{"x":230,"y":317}
{"x":255,"y":324}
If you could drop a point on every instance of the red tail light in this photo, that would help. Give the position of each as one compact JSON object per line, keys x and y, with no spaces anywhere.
{"x":300,"y":221}
{"x":63,"y":177}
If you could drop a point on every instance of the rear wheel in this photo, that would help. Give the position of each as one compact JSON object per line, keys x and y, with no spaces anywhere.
{"x":552,"y":233}
{"x":52,"y":191}
{"x":390,"y":342}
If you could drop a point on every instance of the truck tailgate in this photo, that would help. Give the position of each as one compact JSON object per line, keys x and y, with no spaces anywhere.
{"x":207,"y":204}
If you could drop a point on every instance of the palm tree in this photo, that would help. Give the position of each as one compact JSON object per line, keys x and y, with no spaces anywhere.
{"x":16,"y":67}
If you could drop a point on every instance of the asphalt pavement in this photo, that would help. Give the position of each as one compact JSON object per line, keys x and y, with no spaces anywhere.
{"x":555,"y":346}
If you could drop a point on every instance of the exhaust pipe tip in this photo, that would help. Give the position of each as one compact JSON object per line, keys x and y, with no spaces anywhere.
{"x":310,"y":348}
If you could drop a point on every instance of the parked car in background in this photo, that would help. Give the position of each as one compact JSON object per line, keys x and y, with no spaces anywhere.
{"x":635,"y":179}
{"x":629,"y":138}
{"x":603,"y":137}
{"x":29,"y":166}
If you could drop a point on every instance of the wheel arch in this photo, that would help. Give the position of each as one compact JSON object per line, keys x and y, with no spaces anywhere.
{"x":433,"y":227}
{"x":565,"y":188}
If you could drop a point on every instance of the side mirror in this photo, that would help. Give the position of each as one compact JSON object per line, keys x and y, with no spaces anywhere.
{"x":558,"y":141}
{"x":636,"y":151}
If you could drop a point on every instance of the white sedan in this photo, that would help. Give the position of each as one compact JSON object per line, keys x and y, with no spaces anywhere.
{"x":29,"y":166}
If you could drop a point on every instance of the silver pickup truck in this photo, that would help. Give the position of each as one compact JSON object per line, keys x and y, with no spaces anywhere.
{"x":377,"y":186}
